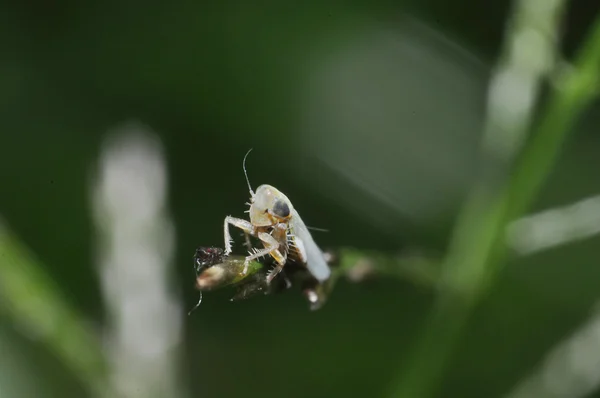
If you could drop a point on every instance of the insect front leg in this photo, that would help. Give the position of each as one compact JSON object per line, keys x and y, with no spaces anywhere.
{"x":279,"y":234}
{"x":272,"y":248}
{"x":244,"y":225}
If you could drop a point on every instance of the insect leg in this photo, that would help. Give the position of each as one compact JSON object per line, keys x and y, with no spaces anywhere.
{"x":244,"y":225}
{"x":274,"y":272}
{"x":280,"y":235}
{"x":271,"y":245}
{"x":247,"y":243}
{"x":272,"y":248}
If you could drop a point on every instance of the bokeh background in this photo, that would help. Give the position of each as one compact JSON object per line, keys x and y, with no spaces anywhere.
{"x":122,"y":133}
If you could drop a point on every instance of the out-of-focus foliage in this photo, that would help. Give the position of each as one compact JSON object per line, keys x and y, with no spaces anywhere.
{"x":368,"y":115}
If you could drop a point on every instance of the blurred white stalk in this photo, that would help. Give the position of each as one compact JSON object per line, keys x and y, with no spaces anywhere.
{"x":135,"y":250}
{"x":529,"y":57}
{"x":555,"y":227}
{"x":571,"y":370}
{"x":474,"y":255}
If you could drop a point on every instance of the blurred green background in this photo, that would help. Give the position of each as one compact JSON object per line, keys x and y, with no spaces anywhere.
{"x":368,"y":115}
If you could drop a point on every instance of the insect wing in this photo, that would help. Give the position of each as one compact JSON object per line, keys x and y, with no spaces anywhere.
{"x":315,"y":259}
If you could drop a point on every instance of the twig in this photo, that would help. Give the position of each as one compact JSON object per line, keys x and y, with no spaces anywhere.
{"x":215,"y":271}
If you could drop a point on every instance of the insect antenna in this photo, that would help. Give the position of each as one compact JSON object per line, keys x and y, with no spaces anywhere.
{"x":246,"y":173}
{"x":317,"y":229}
{"x":197,"y":305}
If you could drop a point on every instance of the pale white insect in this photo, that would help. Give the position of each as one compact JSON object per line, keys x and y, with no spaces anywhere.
{"x":275,"y":222}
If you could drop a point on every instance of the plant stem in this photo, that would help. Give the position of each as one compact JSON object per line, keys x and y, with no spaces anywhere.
{"x":33,"y":301}
{"x":478,"y":246}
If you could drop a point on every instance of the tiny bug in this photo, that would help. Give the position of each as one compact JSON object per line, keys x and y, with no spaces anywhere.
{"x":214,"y":270}
{"x":277,"y":224}
{"x":205,"y":257}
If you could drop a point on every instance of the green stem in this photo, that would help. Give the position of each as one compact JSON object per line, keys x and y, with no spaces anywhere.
{"x":32,"y":299}
{"x":478,"y":247}
{"x":419,"y":269}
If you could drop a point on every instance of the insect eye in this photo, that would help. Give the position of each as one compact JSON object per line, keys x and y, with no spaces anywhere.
{"x":281,"y":209}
